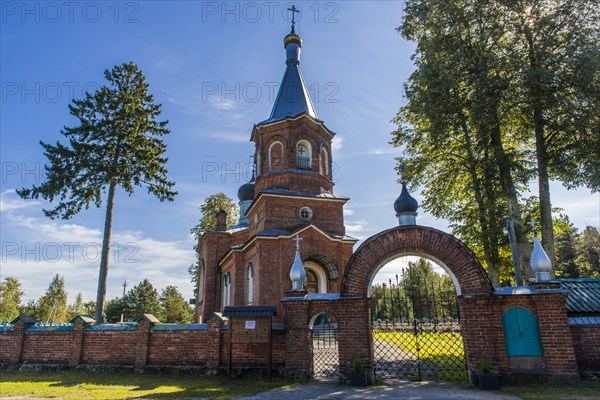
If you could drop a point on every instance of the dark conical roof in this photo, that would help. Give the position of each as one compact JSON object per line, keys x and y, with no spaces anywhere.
{"x":405,"y":203}
{"x":246,"y":191}
{"x":293,"y":97}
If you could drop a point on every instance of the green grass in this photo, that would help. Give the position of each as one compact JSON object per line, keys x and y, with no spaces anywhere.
{"x":445,"y":350}
{"x":75,"y":385}
{"x":586,"y":389}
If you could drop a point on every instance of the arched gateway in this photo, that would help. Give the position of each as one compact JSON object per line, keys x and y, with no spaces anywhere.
{"x":447,"y":251}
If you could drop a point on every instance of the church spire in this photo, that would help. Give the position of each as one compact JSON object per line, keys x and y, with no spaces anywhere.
{"x":292,"y":98}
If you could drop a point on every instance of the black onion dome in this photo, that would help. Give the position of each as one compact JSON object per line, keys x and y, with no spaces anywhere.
{"x":405,"y":203}
{"x":246,"y":191}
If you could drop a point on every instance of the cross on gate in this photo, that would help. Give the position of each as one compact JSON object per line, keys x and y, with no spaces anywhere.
{"x":297,"y":240}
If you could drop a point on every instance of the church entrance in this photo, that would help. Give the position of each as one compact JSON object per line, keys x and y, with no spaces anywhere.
{"x":415,"y":323}
{"x":325,"y":353}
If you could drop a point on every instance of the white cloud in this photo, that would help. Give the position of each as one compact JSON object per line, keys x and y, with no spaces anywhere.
{"x":46,"y":247}
{"x":10,"y":202}
{"x":348,"y":212}
{"x":337,"y":143}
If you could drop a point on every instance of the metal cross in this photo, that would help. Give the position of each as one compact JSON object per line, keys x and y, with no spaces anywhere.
{"x":533,"y":225}
{"x":297,"y":240}
{"x":301,"y":150}
{"x":294,"y":10}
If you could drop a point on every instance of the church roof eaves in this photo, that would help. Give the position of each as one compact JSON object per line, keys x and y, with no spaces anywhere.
{"x":294,"y":195}
{"x":271,"y":121}
{"x":277,"y":234}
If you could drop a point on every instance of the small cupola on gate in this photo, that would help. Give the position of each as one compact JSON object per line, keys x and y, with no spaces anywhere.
{"x":406,"y":208}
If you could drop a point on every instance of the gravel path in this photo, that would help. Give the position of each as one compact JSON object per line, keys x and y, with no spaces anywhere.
{"x":391,"y":389}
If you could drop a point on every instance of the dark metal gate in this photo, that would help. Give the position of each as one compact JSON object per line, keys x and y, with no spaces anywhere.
{"x":416,"y":328}
{"x":325,"y":355}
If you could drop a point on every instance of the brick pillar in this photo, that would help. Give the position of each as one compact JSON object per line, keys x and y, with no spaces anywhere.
{"x":77,"y":343}
{"x":141,"y":352}
{"x":355,"y":337}
{"x":297,"y":339}
{"x":19,"y":335}
{"x":213,"y":345}
{"x":556,"y":336}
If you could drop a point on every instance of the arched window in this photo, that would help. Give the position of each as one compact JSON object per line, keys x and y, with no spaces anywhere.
{"x":250,"y":283}
{"x":316,"y":281}
{"x":275,"y":156}
{"x":303,"y":155}
{"x":227,"y":289}
{"x":201,"y":280}
{"x":324,"y":162}
{"x":257,"y":164}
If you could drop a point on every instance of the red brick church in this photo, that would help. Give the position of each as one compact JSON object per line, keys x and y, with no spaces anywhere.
{"x":291,"y":195}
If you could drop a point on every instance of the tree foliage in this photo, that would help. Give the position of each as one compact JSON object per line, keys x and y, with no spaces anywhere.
{"x":208,"y":210}
{"x":52,"y":306}
{"x":486,"y":83}
{"x":117,"y":143}
{"x":10,"y":298}
{"x":175,"y":308}
{"x":418,"y":292}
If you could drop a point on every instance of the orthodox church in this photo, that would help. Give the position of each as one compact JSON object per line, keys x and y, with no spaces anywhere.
{"x":290,"y":239}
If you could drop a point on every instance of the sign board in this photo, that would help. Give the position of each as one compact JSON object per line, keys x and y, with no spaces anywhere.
{"x":250,"y":329}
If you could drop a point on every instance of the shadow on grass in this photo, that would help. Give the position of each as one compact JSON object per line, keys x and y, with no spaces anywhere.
{"x":72,"y":385}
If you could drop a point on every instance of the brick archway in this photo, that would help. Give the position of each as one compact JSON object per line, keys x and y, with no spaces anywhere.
{"x":444,"y":249}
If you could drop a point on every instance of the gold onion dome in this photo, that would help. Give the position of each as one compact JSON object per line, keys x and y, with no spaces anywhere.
{"x":292,"y":38}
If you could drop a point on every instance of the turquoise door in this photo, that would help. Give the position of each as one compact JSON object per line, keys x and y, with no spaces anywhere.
{"x":521,"y":333}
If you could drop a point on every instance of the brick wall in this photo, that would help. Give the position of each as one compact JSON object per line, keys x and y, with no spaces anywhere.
{"x":586,"y":339}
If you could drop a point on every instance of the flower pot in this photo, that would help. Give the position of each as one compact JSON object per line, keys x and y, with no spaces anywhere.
{"x":489,"y":382}
{"x":358,"y":379}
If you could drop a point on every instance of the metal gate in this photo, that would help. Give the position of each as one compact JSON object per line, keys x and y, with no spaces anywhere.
{"x":416,"y":328}
{"x":325,"y":355}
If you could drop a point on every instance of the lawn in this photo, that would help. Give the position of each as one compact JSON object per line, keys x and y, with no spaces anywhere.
{"x":76,"y":385}
{"x":445,"y":350}
{"x":586,"y":389}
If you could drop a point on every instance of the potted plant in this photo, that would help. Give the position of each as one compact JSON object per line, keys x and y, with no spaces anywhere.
{"x":358,"y":376}
{"x":488,"y":378}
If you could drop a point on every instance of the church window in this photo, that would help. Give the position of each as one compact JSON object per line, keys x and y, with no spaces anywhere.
{"x":227,"y":289}
{"x":201,"y":280}
{"x":315,"y":282}
{"x":275,"y":156}
{"x":306,"y":213}
{"x":303,"y":155}
{"x":324,"y":162}
{"x":250,"y":283}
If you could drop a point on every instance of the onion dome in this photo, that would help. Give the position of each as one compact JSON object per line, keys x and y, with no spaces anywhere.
{"x":292,"y":37}
{"x":405,"y":203}
{"x":246,"y":191}
{"x":540,"y":262}
{"x":297,"y":272}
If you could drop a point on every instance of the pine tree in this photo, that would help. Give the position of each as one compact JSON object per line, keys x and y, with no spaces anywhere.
{"x":116,"y":144}
{"x":176,"y":309}
{"x":143,"y":299}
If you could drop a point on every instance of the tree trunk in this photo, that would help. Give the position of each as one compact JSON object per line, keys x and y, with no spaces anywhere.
{"x":544,"y":193}
{"x":510,"y":193}
{"x":541,"y":152}
{"x":103,"y":275}
{"x":492,"y":268}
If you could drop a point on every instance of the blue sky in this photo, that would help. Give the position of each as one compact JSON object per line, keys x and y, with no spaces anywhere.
{"x":215,"y":67}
